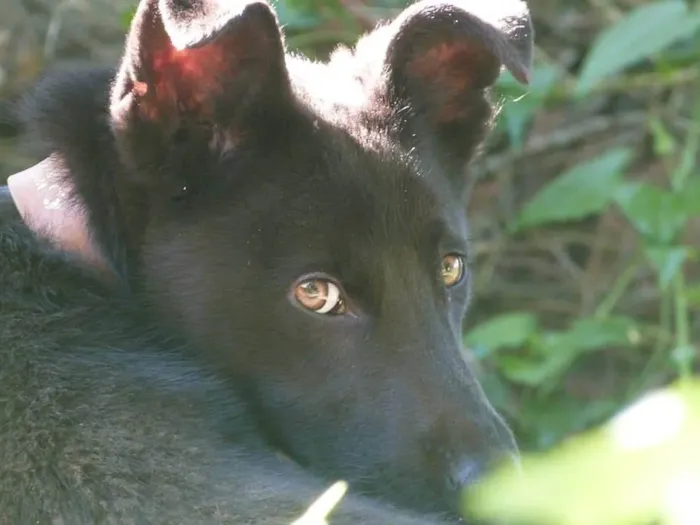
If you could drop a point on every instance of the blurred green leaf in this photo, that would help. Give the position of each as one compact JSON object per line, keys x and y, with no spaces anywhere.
{"x":684,"y":355}
{"x":553,"y":352}
{"x":584,"y":190}
{"x":692,"y":294}
{"x":517,"y":114}
{"x":592,"y":334}
{"x":644,"y":31}
{"x":656,"y":213}
{"x":296,"y":15}
{"x":691,"y":195}
{"x":642,"y":466}
{"x":503,"y":331}
{"x":549,"y":419}
{"x":127,"y":15}
{"x":667,"y":260}
{"x":535,"y":371}
{"x":664,"y":142}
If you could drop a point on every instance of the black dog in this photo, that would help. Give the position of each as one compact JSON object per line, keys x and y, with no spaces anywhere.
{"x":289,"y":244}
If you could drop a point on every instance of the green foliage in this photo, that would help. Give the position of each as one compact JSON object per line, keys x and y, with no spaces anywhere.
{"x":656,"y":214}
{"x":534,"y":359}
{"x":600,"y":478}
{"x":584,"y":190}
{"x":667,"y":261}
{"x":315,"y":26}
{"x":642,"y":33}
{"x":644,"y":465}
{"x":518,"y":116}
{"x":549,"y":353}
{"x":503,"y":331}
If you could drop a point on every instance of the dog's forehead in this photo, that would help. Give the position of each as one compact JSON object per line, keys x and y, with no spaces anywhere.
{"x":341,"y":171}
{"x":345,"y":185}
{"x":365,"y":171}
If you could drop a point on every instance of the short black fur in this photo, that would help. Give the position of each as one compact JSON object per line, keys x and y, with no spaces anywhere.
{"x":220,"y":174}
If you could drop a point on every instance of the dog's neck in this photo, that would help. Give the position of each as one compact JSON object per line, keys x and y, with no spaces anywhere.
{"x":45,"y":208}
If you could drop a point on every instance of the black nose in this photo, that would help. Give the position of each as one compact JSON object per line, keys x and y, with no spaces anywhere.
{"x":468,"y":471}
{"x":465,"y":473}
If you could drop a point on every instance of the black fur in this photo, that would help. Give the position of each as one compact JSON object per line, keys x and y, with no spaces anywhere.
{"x":217,"y":172}
{"x":104,"y":420}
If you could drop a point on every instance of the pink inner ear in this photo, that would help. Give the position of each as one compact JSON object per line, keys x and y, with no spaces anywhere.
{"x":190,"y":79}
{"x":453,"y":74}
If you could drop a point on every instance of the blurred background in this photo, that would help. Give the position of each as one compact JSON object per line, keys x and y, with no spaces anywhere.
{"x":585,"y":204}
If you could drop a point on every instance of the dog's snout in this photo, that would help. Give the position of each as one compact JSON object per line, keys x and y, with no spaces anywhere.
{"x":469,"y":470}
{"x":464,"y":473}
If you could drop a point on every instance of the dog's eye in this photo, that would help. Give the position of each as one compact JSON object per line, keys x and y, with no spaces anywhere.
{"x":452,"y":270}
{"x":320,"y":296}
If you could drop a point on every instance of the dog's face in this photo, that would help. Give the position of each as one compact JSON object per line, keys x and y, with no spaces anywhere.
{"x":304,"y":225}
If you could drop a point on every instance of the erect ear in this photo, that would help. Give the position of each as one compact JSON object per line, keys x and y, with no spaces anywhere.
{"x":190,"y":67}
{"x":440,"y":59}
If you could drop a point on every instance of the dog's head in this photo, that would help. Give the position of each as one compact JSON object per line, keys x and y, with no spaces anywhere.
{"x":303,"y":223}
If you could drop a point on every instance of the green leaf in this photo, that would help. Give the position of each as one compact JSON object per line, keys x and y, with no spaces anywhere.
{"x":536,"y":371}
{"x":504,"y":331}
{"x":296,"y":15}
{"x":664,"y":142}
{"x":582,"y":191}
{"x":554,"y":352}
{"x":642,"y":467}
{"x":668,"y":260}
{"x":547,"y":420}
{"x":593,"y":334}
{"x":517,"y":114}
{"x":692,"y":294}
{"x":656,"y":213}
{"x":126,"y":16}
{"x":691,"y":195}
{"x":644,"y":31}
{"x":684,"y":356}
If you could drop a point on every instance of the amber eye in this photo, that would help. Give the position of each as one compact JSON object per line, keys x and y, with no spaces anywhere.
{"x":320,"y":296}
{"x":452,"y":270}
